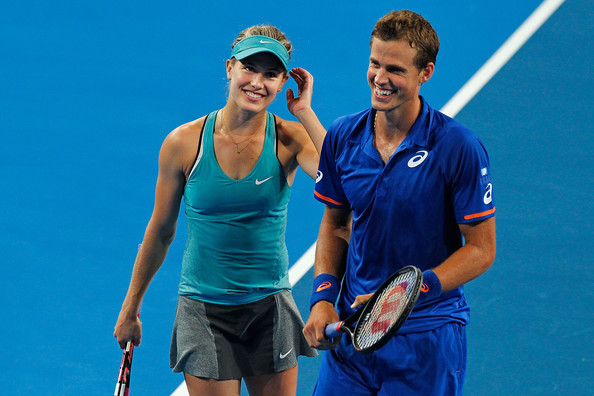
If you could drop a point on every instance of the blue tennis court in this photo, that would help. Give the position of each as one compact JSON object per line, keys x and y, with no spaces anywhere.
{"x":90,"y":90}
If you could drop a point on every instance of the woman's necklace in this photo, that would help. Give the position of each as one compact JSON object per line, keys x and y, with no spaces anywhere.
{"x":248,"y":140}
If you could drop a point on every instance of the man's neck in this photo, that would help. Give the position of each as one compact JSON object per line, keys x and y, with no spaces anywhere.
{"x":395,"y":124}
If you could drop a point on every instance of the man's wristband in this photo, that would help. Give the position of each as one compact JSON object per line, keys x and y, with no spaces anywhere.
{"x":431,"y":287}
{"x":325,"y":287}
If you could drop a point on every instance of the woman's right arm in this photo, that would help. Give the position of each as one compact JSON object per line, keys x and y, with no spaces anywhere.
{"x":158,"y":236}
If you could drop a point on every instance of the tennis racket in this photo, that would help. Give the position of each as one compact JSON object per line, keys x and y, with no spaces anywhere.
{"x":123,"y":384}
{"x":384,"y":313}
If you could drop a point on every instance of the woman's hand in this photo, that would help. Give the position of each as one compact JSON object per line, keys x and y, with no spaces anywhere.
{"x":304,"y":82}
{"x":128,"y":329}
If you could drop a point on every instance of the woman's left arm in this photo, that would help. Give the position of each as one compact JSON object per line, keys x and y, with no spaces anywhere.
{"x":300,"y":107}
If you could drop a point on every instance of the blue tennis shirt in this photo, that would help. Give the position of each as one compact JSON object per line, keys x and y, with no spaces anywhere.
{"x":405,"y":212}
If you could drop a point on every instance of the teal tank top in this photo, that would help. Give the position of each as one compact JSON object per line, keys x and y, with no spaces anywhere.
{"x":235,"y":252}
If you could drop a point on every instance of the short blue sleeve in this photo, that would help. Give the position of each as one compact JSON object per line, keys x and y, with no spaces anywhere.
{"x":472,"y":188}
{"x":328,"y":187}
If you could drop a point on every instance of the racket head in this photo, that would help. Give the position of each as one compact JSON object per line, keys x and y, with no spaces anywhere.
{"x":388,"y":309}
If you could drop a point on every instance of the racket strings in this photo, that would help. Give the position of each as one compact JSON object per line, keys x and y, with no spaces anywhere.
{"x":386,"y":311}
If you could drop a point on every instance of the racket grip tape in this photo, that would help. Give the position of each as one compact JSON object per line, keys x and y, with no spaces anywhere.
{"x":334,"y":329}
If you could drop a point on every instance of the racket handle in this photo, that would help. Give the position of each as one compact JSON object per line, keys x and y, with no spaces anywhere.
{"x":121,"y":388}
{"x":334,"y":329}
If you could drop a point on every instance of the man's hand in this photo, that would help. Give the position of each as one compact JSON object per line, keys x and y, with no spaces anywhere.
{"x":361,"y":300}
{"x":322,"y":314}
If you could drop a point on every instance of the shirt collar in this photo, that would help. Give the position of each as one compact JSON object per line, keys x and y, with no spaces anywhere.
{"x":419,"y":133}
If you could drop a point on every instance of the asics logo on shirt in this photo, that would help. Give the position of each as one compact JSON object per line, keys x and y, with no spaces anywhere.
{"x":258,"y":182}
{"x":417,"y":159}
{"x":319,"y":176}
{"x":487,"y":198}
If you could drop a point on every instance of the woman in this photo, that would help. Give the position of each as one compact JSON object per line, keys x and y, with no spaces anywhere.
{"x":236,"y":317}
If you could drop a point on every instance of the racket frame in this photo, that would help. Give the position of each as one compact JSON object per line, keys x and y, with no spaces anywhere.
{"x":345,"y":325}
{"x":123,"y":384}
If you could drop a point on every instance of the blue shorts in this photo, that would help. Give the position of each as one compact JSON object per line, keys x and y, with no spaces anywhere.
{"x":426,"y":363}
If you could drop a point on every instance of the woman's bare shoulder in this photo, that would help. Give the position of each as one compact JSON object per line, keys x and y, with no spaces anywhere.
{"x":290,"y":132}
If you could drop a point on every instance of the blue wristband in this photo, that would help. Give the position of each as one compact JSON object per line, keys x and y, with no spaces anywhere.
{"x":431,"y":288}
{"x":325,"y":287}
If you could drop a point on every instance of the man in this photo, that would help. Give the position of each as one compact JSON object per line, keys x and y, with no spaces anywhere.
{"x":416,"y":187}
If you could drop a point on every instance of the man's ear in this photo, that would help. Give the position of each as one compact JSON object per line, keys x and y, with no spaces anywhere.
{"x":426,"y":73}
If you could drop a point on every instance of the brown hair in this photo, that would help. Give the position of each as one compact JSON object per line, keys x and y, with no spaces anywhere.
{"x":413,"y":28}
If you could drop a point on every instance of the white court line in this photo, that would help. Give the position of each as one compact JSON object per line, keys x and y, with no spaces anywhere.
{"x":302,"y":265}
{"x":451,"y":108}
